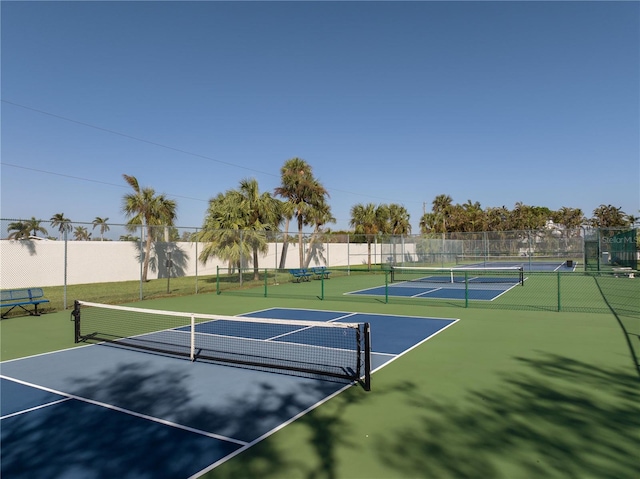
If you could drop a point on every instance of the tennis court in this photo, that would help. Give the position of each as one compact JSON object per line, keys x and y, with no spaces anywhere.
{"x":460,"y":283}
{"x":105,"y":410}
{"x":527,"y":263}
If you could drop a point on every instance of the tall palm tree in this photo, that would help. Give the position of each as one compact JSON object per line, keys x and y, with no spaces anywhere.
{"x":262,"y":213}
{"x":223,"y":231}
{"x":398,"y":224}
{"x":399,"y":220}
{"x":148,"y":210}
{"x":18,"y":230}
{"x":102,"y":223}
{"x":473,"y":216}
{"x":441,"y":207}
{"x":365,"y":219}
{"x":303,"y":193}
{"x":63,"y":224}
{"x":319,"y":216}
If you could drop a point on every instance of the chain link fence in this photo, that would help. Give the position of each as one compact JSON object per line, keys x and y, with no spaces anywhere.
{"x":115,"y":263}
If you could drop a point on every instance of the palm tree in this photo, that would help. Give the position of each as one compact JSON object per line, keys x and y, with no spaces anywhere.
{"x":399,"y":224}
{"x":319,"y":216}
{"x":18,"y":230}
{"x":365,"y":219}
{"x":472,"y":215}
{"x":63,"y":224}
{"x":223,"y":229}
{"x":262,"y":213}
{"x":34,"y":227}
{"x":399,"y":220}
{"x":104,"y":227}
{"x":147,"y":210}
{"x":303,"y":193}
{"x":80,"y":233}
{"x":608,"y":216}
{"x":496,"y":219}
{"x":441,"y":206}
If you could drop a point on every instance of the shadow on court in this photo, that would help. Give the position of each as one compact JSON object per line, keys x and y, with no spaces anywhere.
{"x":77,"y":439}
{"x":547,"y":423}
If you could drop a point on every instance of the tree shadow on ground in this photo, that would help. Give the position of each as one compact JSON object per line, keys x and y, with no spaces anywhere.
{"x":76,"y":439}
{"x":623,"y":299}
{"x":551,"y":421}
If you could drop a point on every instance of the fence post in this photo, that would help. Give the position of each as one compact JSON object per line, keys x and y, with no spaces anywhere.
{"x":559,"y":297}
{"x":386,"y":286}
{"x":466,"y":289}
{"x":66,"y":233}
{"x":218,"y":279}
{"x":266,"y":279}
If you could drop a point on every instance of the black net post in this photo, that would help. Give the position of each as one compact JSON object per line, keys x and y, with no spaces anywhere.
{"x":367,"y":356}
{"x":466,"y":289}
{"x":75,"y":315}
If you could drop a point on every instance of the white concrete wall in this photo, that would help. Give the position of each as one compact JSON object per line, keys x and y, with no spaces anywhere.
{"x":31,"y":263}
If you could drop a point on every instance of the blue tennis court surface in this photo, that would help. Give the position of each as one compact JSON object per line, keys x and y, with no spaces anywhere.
{"x":105,"y":411}
{"x":436,"y":287}
{"x":527,"y":265}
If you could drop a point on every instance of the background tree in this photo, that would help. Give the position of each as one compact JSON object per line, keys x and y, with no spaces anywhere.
{"x":63,"y":224}
{"x":399,"y":217}
{"x":262,"y":213}
{"x":570,"y":218}
{"x":441,"y":207}
{"x":303,"y":193}
{"x":102,"y":223}
{"x":319,"y":216}
{"x":146,"y":209}
{"x":496,"y":219}
{"x":368,"y":220}
{"x":18,"y":230}
{"x":397,"y":224}
{"x":34,"y":227}
{"x":222,"y":231}
{"x":429,"y":223}
{"x":80,"y":233}
{"x":608,"y":216}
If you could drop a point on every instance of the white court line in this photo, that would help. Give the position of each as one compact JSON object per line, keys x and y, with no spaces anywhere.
{"x":18,"y":413}
{"x":314,"y":406}
{"x":432,"y":290}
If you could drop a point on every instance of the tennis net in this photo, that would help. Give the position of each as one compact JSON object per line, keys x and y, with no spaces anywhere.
{"x":543,"y":263}
{"x":505,"y":275}
{"x":311,"y":348}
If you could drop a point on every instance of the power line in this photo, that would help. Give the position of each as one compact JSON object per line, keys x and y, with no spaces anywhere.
{"x":153,"y":143}
{"x":86,"y":179}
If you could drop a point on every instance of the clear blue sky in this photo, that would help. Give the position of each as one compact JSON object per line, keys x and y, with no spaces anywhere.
{"x":495,"y":102}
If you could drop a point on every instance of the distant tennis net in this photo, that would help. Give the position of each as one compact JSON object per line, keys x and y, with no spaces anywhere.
{"x":424,"y":274}
{"x":331,"y":349}
{"x":542,"y":263}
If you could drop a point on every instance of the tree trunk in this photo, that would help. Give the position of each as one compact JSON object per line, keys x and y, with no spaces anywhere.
{"x":147,"y":254}
{"x":256,"y":273}
{"x":300,"y":245}
{"x":285,"y":245}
